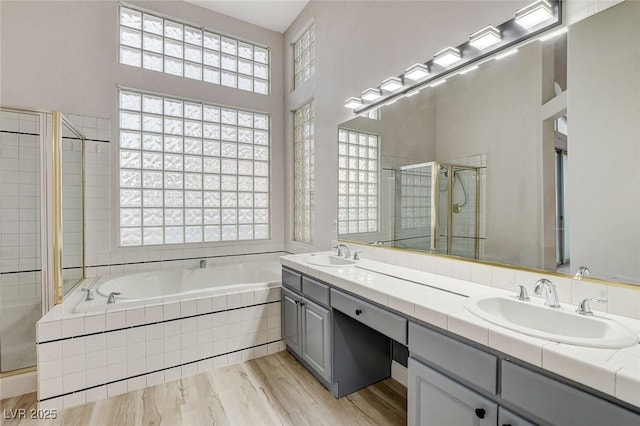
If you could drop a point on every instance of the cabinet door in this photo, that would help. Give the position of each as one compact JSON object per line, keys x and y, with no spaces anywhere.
{"x":316,"y":340}
{"x":507,"y":418}
{"x":434,"y":399}
{"x":291,"y":320}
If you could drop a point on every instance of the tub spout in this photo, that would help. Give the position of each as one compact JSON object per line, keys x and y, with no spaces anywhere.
{"x":112,"y":297}
{"x":203,"y":263}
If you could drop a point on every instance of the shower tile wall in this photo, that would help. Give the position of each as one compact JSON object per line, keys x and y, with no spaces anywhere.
{"x":414,"y":216}
{"x":20,"y":275}
{"x":101,"y":255}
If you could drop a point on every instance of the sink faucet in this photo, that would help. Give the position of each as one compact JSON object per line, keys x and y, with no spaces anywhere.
{"x":549,"y":291}
{"x":584,"y":308}
{"x":112,"y":297}
{"x":343,"y":251}
{"x":522,"y":293}
{"x":583,"y":272}
{"x":203,"y":263}
{"x":89,"y":293}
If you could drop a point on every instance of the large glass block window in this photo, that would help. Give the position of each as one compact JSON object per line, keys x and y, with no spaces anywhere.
{"x":191,"y":172}
{"x":168,"y":46}
{"x":303,"y":174}
{"x":357,"y":182}
{"x":304,"y":55}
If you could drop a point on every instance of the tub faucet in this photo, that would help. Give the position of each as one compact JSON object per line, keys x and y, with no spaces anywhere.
{"x":112,"y":297}
{"x":343,"y":251}
{"x":203,"y":263}
{"x":89,"y":293}
{"x":553,"y":301}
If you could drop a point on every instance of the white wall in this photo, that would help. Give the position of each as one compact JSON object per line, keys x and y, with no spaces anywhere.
{"x":358,"y":44}
{"x":63,"y":56}
{"x":604,"y":136}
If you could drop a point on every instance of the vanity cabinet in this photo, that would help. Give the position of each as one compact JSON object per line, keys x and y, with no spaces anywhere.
{"x":507,"y":418}
{"x":307,"y":328}
{"x":435,"y":399}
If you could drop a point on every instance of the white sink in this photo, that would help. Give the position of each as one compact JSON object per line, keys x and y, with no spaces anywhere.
{"x":329,"y":260}
{"x":559,"y":325}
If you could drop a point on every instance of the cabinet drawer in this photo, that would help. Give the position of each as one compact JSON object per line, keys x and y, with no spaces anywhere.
{"x":315,"y":290}
{"x":291,"y":279}
{"x":468,"y":363}
{"x":385,"y":322}
{"x":559,"y":403}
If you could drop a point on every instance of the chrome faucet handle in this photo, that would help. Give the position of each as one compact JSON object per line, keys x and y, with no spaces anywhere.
{"x":522,"y":293}
{"x":356,"y":255}
{"x":112,"y":297}
{"x":89,"y":293}
{"x":540,"y":284}
{"x":583,"y":272}
{"x":550,"y":292}
{"x":584,"y":307}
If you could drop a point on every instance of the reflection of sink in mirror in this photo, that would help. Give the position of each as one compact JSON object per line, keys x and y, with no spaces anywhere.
{"x":558,"y":325}
{"x":329,"y":260}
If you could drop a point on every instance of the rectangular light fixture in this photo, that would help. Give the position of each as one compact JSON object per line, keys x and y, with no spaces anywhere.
{"x":486,"y":37}
{"x":553,"y":34}
{"x":371,"y":95}
{"x":438,"y":83}
{"x":506,"y":54}
{"x":534,"y":14}
{"x":468,"y":70}
{"x":447,"y":56}
{"x":415,"y":92}
{"x":353,"y":103}
{"x":391,"y":84}
{"x":416,"y":72}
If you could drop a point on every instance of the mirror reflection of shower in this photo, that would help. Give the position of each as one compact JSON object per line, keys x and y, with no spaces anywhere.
{"x":441,"y":212}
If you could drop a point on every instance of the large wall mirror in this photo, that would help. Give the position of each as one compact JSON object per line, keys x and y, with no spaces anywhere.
{"x":530,"y":160}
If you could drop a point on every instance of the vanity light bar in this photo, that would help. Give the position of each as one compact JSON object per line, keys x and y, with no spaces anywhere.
{"x":415,"y":92}
{"x":438,"y":83}
{"x":353,"y":103}
{"x":534,"y":14}
{"x":506,"y":54}
{"x":486,"y":37}
{"x":447,"y":56}
{"x":468,"y":70}
{"x":416,"y":72}
{"x":554,"y":34}
{"x":370,"y":95}
{"x":391,"y":84}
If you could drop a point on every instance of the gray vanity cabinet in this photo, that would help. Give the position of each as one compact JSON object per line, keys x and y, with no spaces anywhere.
{"x":507,"y":418}
{"x":307,"y":330}
{"x":435,"y":399}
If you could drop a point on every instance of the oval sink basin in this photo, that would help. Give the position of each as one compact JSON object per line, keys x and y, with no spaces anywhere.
{"x":558,"y":325}
{"x":329,"y":260}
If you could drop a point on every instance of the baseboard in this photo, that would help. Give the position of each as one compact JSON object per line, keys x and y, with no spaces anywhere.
{"x":399,"y":373}
{"x":17,"y":385}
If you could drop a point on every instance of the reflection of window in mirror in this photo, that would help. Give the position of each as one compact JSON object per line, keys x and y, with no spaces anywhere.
{"x":304,"y":55}
{"x":303,"y":174}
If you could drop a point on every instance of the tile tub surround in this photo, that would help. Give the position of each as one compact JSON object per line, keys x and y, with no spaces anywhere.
{"x":615,"y":372}
{"x":87,"y":357}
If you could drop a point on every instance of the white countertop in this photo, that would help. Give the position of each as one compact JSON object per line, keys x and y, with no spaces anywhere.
{"x":612,"y":371}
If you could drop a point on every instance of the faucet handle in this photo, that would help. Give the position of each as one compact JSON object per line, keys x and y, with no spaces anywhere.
{"x":356,"y":255}
{"x":112,"y":297}
{"x":537,"y":288}
{"x":584,"y":307}
{"x":89,"y":293}
{"x":522,"y":293}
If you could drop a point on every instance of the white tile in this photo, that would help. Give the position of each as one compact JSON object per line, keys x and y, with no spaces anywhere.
{"x":115,"y":339}
{"x":48,"y":331}
{"x":431,"y":316}
{"x":136,"y":367}
{"x":153,"y":314}
{"x":444,"y":266}
{"x":155,"y":378}
{"x":519,"y":346}
{"x":96,"y":376}
{"x":172,"y":358}
{"x":274,"y":295}
{"x":73,"y":382}
{"x":189,"y":370}
{"x":116,"y":320}
{"x":96,"y":359}
{"x":462,"y":270}
{"x":247,"y":298}
{"x":220,"y":361}
{"x":116,"y":371}
{"x":171,"y":310}
{"x":136,"y":350}
{"x":135,"y":316}
{"x":49,"y":387}
{"x":135,"y":335}
{"x":584,"y":365}
{"x":74,"y":400}
{"x":188,"y":308}
{"x":96,"y":394}
{"x":95,"y":342}
{"x":116,"y":355}
{"x":72,"y":327}
{"x":480,"y":273}
{"x":155,"y":362}
{"x":71,"y":347}
{"x":468,"y":325}
{"x":117,"y":388}
{"x":136,"y":383}
{"x":49,"y":369}
{"x":624,"y":301}
{"x":204,"y":305}
{"x":94,"y":323}
{"x":205,"y":365}
{"x":49,"y":351}
{"x":234,"y":301}
{"x":51,"y":404}
{"x":154,"y":331}
{"x":503,"y":278}
{"x":172,"y":374}
{"x":627,"y":385}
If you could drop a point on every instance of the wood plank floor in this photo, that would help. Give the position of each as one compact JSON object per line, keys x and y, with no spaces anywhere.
{"x":273,"y":390}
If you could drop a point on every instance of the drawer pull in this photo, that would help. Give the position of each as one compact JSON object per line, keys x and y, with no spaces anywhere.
{"x":480,"y":412}
{"x":302,"y":303}
{"x":358,"y":311}
{"x":506,"y":424}
{"x":297,"y":302}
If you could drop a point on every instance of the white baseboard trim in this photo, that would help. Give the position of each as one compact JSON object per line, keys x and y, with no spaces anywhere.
{"x":17,"y":385}
{"x":399,"y":373}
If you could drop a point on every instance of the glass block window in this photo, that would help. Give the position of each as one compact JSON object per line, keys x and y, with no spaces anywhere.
{"x":357,"y":182}
{"x":168,"y":46}
{"x":415,"y":196}
{"x":373,"y":114}
{"x":303,"y":174}
{"x":304,"y":55}
{"x":191,"y":172}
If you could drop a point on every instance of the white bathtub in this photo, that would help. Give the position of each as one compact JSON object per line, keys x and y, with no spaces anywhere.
{"x":175,"y":284}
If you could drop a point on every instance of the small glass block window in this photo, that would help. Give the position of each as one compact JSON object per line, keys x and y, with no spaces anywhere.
{"x":304,"y":56}
{"x":164,"y":45}
{"x":303,"y":173}
{"x":415,"y":193}
{"x":357,"y":182}
{"x":191,"y":172}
